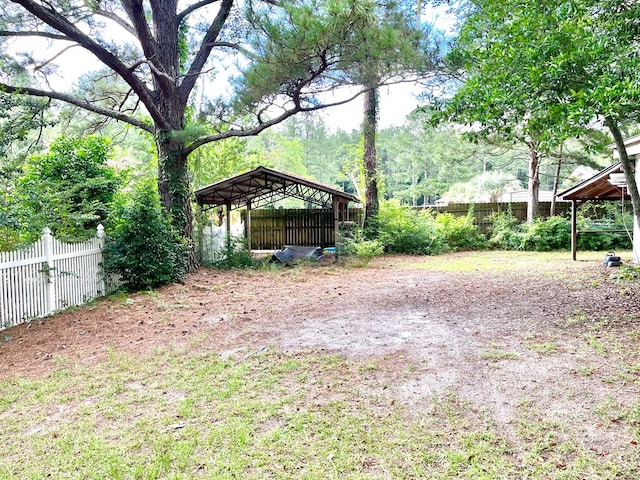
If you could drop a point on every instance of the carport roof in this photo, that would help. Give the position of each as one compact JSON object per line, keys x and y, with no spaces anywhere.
{"x":597,"y":187}
{"x":263,"y":186}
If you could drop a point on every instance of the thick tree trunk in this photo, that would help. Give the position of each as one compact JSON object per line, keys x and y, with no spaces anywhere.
{"x":174,"y":189}
{"x":556,"y":181}
{"x":534,"y":182}
{"x":627,"y":167}
{"x":369,"y":130}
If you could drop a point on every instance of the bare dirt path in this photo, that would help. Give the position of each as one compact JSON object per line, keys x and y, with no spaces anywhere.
{"x":514,"y":336}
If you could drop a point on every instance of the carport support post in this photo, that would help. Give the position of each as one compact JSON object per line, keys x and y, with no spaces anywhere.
{"x":248,"y":225}
{"x":574,"y":230}
{"x":336,"y":221}
{"x":228,"y":209}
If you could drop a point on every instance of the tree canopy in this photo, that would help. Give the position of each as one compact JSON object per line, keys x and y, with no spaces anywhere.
{"x":192,"y":73}
{"x":544,"y":71}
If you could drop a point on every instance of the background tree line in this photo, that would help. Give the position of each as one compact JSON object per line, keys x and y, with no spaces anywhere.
{"x":187,"y":97}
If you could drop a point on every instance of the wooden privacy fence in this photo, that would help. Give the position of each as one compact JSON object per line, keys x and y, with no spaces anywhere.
{"x":314,"y":227}
{"x":49,"y":276}
{"x":272,"y":229}
{"x":483,"y":211}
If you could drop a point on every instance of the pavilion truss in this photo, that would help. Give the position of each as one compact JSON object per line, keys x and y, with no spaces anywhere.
{"x":264,"y":186}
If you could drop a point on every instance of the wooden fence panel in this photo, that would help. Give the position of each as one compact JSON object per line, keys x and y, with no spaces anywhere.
{"x":483,"y":211}
{"x":274,"y":228}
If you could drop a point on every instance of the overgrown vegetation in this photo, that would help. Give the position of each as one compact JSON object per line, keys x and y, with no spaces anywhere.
{"x":554,"y":233}
{"x":69,"y":189}
{"x":406,"y":230}
{"x":233,"y":254}
{"x":142,"y":247}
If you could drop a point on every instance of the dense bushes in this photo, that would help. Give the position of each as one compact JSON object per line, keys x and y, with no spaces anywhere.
{"x":142,"y":247}
{"x":554,"y":233}
{"x":405,"y":230}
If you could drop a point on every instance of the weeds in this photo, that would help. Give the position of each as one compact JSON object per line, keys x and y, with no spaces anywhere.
{"x":496,"y":354}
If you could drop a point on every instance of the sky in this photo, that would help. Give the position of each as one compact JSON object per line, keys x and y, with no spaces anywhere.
{"x":396,"y":101}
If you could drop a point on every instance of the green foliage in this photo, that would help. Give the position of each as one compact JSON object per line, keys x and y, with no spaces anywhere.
{"x":542,"y":235}
{"x":604,"y":216}
{"x":627,"y":273}
{"x":68,"y":189}
{"x":365,"y":250}
{"x":404,"y":230}
{"x":553,"y":233}
{"x":505,"y":231}
{"x":407,"y":230}
{"x":233,"y":255}
{"x":460,"y":233}
{"x":142,"y":247}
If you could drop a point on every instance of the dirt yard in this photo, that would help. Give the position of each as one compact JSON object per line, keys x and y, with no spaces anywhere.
{"x":505,"y":332}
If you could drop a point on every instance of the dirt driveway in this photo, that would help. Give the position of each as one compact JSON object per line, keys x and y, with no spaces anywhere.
{"x":513,"y":334}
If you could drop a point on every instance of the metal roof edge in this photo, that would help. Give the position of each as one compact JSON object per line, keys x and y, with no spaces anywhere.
{"x":204,"y":191}
{"x":604,"y":172}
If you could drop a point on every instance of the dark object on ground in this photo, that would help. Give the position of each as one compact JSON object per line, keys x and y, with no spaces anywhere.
{"x":612,"y":260}
{"x":288,"y":255}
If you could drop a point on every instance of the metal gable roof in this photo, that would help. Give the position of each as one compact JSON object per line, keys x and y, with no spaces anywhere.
{"x":597,"y":187}
{"x":263,"y":186}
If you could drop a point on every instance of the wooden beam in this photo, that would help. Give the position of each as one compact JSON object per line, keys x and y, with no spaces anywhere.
{"x":574,"y":229}
{"x":336,"y":221}
{"x":228,"y":208}
{"x":248,"y":225}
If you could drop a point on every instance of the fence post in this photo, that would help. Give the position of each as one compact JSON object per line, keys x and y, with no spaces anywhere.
{"x":102,"y":281}
{"x":52,"y":301}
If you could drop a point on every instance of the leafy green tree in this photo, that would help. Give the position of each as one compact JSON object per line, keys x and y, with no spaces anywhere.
{"x":219,"y":160}
{"x":142,"y":247}
{"x":194,"y":72}
{"x":545,"y":71}
{"x":421,"y":162}
{"x":413,"y":50}
{"x":69,"y":189}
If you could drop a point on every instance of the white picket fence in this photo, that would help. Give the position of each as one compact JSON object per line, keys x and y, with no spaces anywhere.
{"x":49,"y":276}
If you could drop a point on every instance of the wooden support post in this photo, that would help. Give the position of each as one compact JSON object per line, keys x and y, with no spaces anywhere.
{"x":248,"y":225}
{"x":574,"y":230}
{"x":336,"y":221}
{"x":228,"y":209}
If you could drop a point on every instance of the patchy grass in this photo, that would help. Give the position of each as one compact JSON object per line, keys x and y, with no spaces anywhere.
{"x":195,"y":412}
{"x":268,"y":415}
{"x":497,"y":354}
{"x":504,"y":261}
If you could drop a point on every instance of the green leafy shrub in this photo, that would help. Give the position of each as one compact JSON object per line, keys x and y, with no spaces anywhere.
{"x":364,"y":250}
{"x":594,"y":216}
{"x":142,"y":246}
{"x":553,"y":233}
{"x":627,"y":274}
{"x":459,"y":233}
{"x":232,"y":255}
{"x":505,"y":232}
{"x":69,"y":189}
{"x":602,"y":240}
{"x":403,"y":230}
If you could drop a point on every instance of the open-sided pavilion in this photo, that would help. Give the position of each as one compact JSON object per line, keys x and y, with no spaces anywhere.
{"x":264,"y":186}
{"x":606,"y":185}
